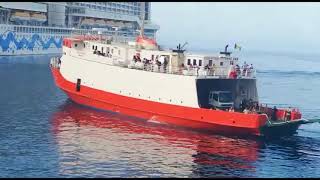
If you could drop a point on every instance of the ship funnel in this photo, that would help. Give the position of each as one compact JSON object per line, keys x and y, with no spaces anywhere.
{"x":226,"y":51}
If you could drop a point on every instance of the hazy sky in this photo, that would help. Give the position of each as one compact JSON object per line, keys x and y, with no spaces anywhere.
{"x":269,"y":26}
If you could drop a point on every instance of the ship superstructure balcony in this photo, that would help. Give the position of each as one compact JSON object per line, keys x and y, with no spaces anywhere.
{"x":38,"y":17}
{"x":20,"y":16}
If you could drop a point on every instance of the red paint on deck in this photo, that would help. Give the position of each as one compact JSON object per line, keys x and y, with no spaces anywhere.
{"x":198,"y":118}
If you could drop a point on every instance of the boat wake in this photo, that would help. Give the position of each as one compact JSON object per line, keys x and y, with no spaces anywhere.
{"x":279,"y":72}
{"x":153,"y":119}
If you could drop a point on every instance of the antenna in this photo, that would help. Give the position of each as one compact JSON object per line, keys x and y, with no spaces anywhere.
{"x":184,"y":44}
{"x":142,"y":25}
{"x":179,"y":48}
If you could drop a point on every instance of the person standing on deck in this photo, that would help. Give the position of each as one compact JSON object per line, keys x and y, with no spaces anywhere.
{"x":274,"y":113}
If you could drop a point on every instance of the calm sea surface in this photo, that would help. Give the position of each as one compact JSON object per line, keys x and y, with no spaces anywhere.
{"x":44,"y":134}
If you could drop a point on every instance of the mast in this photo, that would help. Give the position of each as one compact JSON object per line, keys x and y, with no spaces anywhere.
{"x":142,"y":25}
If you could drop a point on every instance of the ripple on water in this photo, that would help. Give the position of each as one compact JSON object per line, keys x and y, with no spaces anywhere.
{"x":45,"y":135}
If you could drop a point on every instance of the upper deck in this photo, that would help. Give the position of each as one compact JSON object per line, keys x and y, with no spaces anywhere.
{"x":148,"y":56}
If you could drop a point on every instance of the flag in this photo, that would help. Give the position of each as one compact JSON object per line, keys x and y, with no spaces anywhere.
{"x":236,"y":46}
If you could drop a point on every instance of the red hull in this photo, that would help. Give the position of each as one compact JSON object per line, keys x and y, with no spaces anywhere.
{"x":197,"y":118}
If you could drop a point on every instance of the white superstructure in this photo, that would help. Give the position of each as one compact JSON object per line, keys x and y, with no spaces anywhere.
{"x":144,"y":71}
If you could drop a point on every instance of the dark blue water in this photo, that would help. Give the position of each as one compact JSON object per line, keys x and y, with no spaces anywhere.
{"x":43,"y":134}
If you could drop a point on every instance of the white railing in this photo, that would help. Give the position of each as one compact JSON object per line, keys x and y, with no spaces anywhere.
{"x":103,"y":38}
{"x":218,"y":72}
{"x":247,"y":73}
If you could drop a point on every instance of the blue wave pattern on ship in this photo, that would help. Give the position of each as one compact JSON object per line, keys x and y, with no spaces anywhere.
{"x":5,"y":42}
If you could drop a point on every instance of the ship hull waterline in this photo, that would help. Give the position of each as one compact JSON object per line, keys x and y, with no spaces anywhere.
{"x":237,"y":124}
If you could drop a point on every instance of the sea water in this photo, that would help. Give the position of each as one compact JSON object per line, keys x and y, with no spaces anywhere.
{"x":44,"y":134}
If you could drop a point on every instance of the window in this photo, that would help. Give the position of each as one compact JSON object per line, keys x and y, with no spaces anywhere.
{"x":75,"y":45}
{"x":210,"y":62}
{"x":189,"y":61}
{"x":194,"y":62}
{"x":215,"y":97}
{"x":231,"y":62}
{"x":221,"y":63}
{"x":92,"y":47}
{"x":101,"y":49}
{"x":225,"y":97}
{"x":200,"y":62}
{"x":119,"y":52}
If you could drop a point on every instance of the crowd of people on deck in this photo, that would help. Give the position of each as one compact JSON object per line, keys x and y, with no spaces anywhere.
{"x":249,"y":106}
{"x":236,"y":70}
{"x":246,"y":106}
{"x":252,"y":107}
{"x":161,"y":61}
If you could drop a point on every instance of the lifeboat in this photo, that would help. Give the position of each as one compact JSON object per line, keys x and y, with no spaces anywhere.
{"x":146,"y":42}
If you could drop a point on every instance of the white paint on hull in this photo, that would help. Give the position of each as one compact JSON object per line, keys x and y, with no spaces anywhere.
{"x":158,"y":87}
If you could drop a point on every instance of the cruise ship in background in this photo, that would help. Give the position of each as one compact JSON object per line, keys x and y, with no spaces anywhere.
{"x":39,"y":27}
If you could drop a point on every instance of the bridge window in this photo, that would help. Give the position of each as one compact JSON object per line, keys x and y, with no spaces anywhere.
{"x":221,"y":63}
{"x":189,"y":61}
{"x":210,"y":62}
{"x":194,"y":62}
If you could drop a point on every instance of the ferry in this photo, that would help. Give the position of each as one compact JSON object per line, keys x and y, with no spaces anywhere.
{"x":209,"y":93}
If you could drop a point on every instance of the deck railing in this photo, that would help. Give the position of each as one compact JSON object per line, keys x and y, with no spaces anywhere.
{"x":218,"y":72}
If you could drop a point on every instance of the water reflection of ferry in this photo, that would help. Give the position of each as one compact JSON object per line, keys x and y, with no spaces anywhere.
{"x":89,"y":138}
